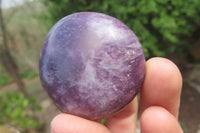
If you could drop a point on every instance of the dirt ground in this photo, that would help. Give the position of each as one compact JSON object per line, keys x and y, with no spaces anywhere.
{"x":189,"y":108}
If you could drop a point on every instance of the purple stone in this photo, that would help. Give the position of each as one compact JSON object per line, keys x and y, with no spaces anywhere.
{"x":91,"y":65}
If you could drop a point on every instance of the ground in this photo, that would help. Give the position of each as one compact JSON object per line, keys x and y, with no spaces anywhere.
{"x":189,"y":108}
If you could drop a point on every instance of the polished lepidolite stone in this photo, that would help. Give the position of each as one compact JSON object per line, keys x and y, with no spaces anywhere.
{"x":91,"y":65}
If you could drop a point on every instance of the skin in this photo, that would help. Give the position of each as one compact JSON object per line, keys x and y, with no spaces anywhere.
{"x":159,"y":106}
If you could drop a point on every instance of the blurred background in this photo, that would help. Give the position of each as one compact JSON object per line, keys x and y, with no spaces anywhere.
{"x":166,"y":28}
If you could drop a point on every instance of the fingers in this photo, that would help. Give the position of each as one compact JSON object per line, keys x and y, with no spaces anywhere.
{"x":65,"y":123}
{"x":156,"y":119}
{"x":162,"y":86}
{"x":125,"y":120}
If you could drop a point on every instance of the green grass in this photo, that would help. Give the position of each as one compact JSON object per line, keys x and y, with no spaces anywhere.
{"x":183,"y":126}
{"x":4,"y":79}
{"x":28,"y":74}
{"x":103,"y":121}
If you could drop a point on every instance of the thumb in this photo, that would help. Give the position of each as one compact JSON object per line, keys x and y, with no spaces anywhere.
{"x":65,"y":123}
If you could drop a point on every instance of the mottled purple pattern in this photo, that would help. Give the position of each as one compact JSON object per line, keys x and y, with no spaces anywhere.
{"x":91,"y":65}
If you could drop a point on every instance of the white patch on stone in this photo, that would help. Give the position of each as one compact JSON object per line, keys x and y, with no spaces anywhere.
{"x":72,"y":107}
{"x":108,"y":29}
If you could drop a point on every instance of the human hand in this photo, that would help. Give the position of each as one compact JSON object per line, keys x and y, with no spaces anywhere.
{"x":159,"y":105}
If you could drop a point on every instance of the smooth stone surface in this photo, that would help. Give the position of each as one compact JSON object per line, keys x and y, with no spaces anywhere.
{"x":91,"y":65}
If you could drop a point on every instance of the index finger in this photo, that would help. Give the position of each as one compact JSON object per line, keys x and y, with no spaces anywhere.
{"x":162,"y":85}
